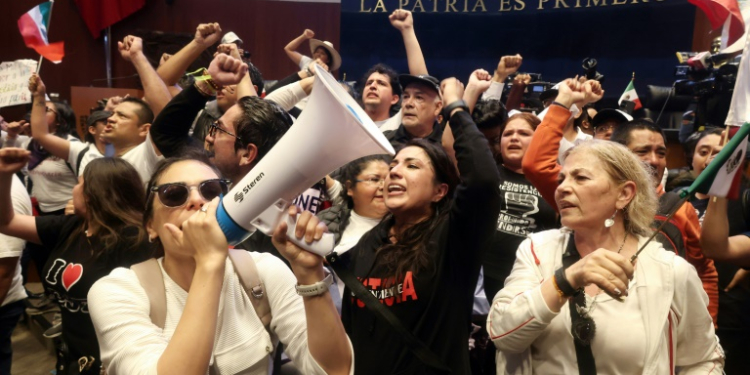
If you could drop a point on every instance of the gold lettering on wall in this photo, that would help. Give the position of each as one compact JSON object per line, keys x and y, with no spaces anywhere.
{"x":450,"y":4}
{"x":480,"y":3}
{"x":480,"y":6}
{"x":380,"y":5}
{"x":504,"y":5}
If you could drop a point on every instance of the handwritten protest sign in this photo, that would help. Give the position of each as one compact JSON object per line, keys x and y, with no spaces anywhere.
{"x":14,"y":82}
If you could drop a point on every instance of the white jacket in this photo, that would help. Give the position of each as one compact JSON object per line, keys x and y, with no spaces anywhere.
{"x":674,"y":310}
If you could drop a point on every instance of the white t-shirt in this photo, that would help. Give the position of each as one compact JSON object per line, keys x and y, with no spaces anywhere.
{"x":53,"y":181}
{"x":390,"y":124}
{"x":357,"y":227}
{"x":565,"y":144}
{"x":86,"y":152}
{"x":131,"y":344}
{"x":13,"y":246}
{"x":142,"y":157}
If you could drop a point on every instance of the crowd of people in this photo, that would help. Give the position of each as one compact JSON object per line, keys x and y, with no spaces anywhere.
{"x":496,"y":239}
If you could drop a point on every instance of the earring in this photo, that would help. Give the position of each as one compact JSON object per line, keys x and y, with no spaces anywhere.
{"x":610,"y":221}
{"x":150,"y":239}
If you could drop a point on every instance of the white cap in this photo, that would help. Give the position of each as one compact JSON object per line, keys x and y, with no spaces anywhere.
{"x":230,"y":37}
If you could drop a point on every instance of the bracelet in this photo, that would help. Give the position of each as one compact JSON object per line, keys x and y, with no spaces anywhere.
{"x":563,"y":285}
{"x":316,"y":289}
{"x":203,"y":92}
{"x":450,"y":107}
{"x":310,"y":72}
{"x":202,"y":75}
{"x":561,"y":105}
{"x":557,"y":288}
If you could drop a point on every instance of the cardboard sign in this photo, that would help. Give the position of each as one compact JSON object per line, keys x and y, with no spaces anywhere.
{"x":14,"y":82}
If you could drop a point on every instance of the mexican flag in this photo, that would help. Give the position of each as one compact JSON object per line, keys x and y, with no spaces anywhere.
{"x":723,"y":175}
{"x":34,"y":26}
{"x":630,"y":95}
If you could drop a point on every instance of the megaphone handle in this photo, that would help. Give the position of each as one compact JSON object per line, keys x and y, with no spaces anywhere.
{"x":322,"y":247}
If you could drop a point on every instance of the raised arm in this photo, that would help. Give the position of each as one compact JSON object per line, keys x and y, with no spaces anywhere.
{"x":155,"y":91}
{"x":245,"y":86}
{"x":476,"y":202}
{"x":12,"y":224}
{"x":39,"y":130}
{"x":288,"y":96}
{"x":715,"y":240}
{"x":515,"y":96}
{"x":206,"y":35}
{"x":170,"y":129}
{"x":540,"y":165}
{"x":402,"y":20}
{"x":291,"y":48}
{"x":479,"y":82}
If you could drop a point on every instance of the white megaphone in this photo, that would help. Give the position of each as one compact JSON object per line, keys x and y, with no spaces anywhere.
{"x":332,"y":131}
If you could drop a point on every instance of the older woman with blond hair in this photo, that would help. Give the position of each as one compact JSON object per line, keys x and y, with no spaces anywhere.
{"x":575,"y":302}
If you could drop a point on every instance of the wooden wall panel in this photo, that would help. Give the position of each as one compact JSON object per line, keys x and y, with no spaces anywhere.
{"x":265,"y":26}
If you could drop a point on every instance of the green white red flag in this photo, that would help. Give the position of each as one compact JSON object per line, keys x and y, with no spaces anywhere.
{"x":723,"y":175}
{"x":34,"y":26}
{"x":630,"y":95}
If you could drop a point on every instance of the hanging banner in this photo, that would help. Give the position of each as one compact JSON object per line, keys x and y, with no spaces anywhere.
{"x":553,"y":36}
{"x":14,"y":82}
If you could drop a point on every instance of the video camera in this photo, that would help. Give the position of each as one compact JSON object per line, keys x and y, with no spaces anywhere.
{"x":709,"y":78}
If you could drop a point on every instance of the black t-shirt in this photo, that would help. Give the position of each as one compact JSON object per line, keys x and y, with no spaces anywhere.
{"x":734,"y":306}
{"x":71,"y":270}
{"x":522,"y":211}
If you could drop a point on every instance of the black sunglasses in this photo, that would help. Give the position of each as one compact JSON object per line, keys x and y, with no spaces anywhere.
{"x":176,"y":194}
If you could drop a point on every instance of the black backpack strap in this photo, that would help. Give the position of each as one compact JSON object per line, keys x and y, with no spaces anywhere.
{"x":417,"y":346}
{"x":584,"y":355}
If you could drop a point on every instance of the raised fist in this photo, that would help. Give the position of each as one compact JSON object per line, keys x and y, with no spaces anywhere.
{"x":207,"y":34}
{"x":508,"y":65}
{"x":226,"y":70}
{"x":228,"y":49}
{"x":309,"y":34}
{"x":480,"y":80}
{"x":36,"y":86}
{"x":452,"y":90}
{"x":401,"y":19}
{"x":13,"y":159}
{"x":522,"y":78}
{"x":130,"y":46}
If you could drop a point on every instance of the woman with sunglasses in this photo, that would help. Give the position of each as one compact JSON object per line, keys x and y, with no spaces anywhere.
{"x":211,"y":325}
{"x":105,"y":234}
{"x":576,"y":303}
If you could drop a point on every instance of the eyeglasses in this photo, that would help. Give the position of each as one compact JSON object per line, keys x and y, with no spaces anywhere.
{"x":373,"y":181}
{"x":215,"y":126}
{"x":176,"y":194}
{"x":601,"y":129}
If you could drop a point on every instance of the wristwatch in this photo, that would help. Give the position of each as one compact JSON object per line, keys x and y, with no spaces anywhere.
{"x":450,"y":107}
{"x":315,"y":289}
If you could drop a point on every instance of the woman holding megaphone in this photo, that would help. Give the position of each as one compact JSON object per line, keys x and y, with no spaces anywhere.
{"x":421,"y":262}
{"x":212,"y":323}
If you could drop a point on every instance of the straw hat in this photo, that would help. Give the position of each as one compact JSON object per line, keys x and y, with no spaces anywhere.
{"x":336,"y":63}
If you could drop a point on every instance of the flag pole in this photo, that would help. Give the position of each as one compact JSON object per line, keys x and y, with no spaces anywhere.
{"x":676,"y":207}
{"x":49,"y":26}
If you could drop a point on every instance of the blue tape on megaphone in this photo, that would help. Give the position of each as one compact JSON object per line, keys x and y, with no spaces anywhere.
{"x":234,"y":233}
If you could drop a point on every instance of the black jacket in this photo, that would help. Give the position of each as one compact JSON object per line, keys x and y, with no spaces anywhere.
{"x":435,"y":303}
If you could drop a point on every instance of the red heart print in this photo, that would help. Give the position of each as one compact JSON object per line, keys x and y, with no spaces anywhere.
{"x":71,"y":275}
